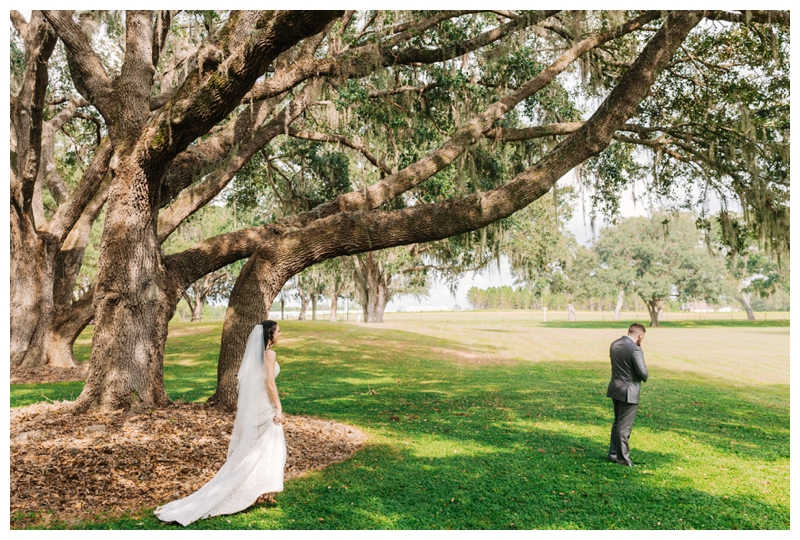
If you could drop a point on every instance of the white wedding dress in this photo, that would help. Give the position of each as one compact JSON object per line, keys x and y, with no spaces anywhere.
{"x":256,"y":453}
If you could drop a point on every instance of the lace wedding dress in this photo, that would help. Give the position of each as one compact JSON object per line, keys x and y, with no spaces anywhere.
{"x":256,"y":454}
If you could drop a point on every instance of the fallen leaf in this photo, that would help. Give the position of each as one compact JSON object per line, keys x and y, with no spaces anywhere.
{"x":140,"y":460}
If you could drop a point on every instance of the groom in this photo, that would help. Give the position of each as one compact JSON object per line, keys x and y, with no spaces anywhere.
{"x":627,"y":373}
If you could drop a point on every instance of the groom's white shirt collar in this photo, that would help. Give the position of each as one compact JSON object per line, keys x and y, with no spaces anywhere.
{"x":630,"y":338}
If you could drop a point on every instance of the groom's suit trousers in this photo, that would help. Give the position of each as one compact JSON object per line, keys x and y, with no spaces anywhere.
{"x":624,"y":415}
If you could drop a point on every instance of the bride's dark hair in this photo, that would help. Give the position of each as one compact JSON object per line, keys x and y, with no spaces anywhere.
{"x":269,"y":332}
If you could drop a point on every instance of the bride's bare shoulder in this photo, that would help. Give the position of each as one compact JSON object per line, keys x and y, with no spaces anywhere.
{"x":271,"y":355}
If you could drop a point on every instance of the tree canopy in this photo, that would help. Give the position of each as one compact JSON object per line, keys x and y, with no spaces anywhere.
{"x":350,"y":132}
{"x":661,"y":257}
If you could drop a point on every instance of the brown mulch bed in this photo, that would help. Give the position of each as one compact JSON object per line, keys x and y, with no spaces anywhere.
{"x":69,"y":468}
{"x":48,"y":374}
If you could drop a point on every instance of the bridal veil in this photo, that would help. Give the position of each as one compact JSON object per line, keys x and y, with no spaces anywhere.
{"x":256,"y":453}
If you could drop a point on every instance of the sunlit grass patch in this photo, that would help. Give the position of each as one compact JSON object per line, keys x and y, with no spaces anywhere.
{"x":26,"y":394}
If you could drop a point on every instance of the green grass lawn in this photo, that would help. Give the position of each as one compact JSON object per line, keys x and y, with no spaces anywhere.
{"x":504,"y":424}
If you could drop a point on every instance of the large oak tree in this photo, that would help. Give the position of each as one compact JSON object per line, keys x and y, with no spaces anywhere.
{"x":663,"y":257}
{"x":174,"y":142}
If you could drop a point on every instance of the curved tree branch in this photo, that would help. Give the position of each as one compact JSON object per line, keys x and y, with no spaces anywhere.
{"x":27,"y":113}
{"x":160,"y":31}
{"x":156,"y":102}
{"x":20,"y":24}
{"x":98,"y":127}
{"x":201,"y":159}
{"x":405,"y":31}
{"x":135,"y":78}
{"x":350,"y":232}
{"x":563,"y":128}
{"x":430,"y":56}
{"x":48,"y":174}
{"x":70,"y":257}
{"x":746,"y":16}
{"x":365,"y":59}
{"x":403,"y":89}
{"x":536,"y":132}
{"x":88,"y":73}
{"x":70,"y":211}
{"x":195,"y":197}
{"x":339,"y":139}
{"x":400,"y":182}
{"x":252,"y":41}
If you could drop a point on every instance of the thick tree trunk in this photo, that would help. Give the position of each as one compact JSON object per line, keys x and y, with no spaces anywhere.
{"x":744,"y":299}
{"x":134,"y":300}
{"x":654,"y":308}
{"x":304,"y":300}
{"x":59,"y":349}
{"x":200,"y":291}
{"x":313,"y":307}
{"x":618,"y":307}
{"x":68,"y":323}
{"x":32,"y":305}
{"x":42,"y":293}
{"x":197,"y":312}
{"x":191,"y":301}
{"x":63,"y":319}
{"x":334,"y":306}
{"x":32,"y":252}
{"x":249,"y":305}
{"x":376,"y":303}
{"x":372,"y":287}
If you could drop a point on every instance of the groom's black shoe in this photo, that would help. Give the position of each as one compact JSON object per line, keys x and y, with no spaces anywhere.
{"x":614,"y":460}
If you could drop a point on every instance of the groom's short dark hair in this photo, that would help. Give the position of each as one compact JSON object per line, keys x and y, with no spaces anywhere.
{"x":636,"y":328}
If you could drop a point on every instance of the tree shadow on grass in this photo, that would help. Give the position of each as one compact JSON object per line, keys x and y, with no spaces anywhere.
{"x":476,"y":447}
{"x":499,"y":489}
{"x":711,"y":410}
{"x":407,"y":379}
{"x":506,"y":415}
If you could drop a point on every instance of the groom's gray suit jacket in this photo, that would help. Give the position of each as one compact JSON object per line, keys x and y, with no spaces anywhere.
{"x":627,"y":370}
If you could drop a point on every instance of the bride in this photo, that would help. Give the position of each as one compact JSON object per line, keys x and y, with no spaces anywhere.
{"x":257,"y":451}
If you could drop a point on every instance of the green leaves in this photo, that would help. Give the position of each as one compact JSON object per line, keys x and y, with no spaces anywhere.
{"x":539,"y":250}
{"x":612,"y":171}
{"x":299,"y":174}
{"x":661,"y":257}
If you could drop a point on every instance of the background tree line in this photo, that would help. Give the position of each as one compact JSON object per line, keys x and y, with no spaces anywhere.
{"x":640,"y":263}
